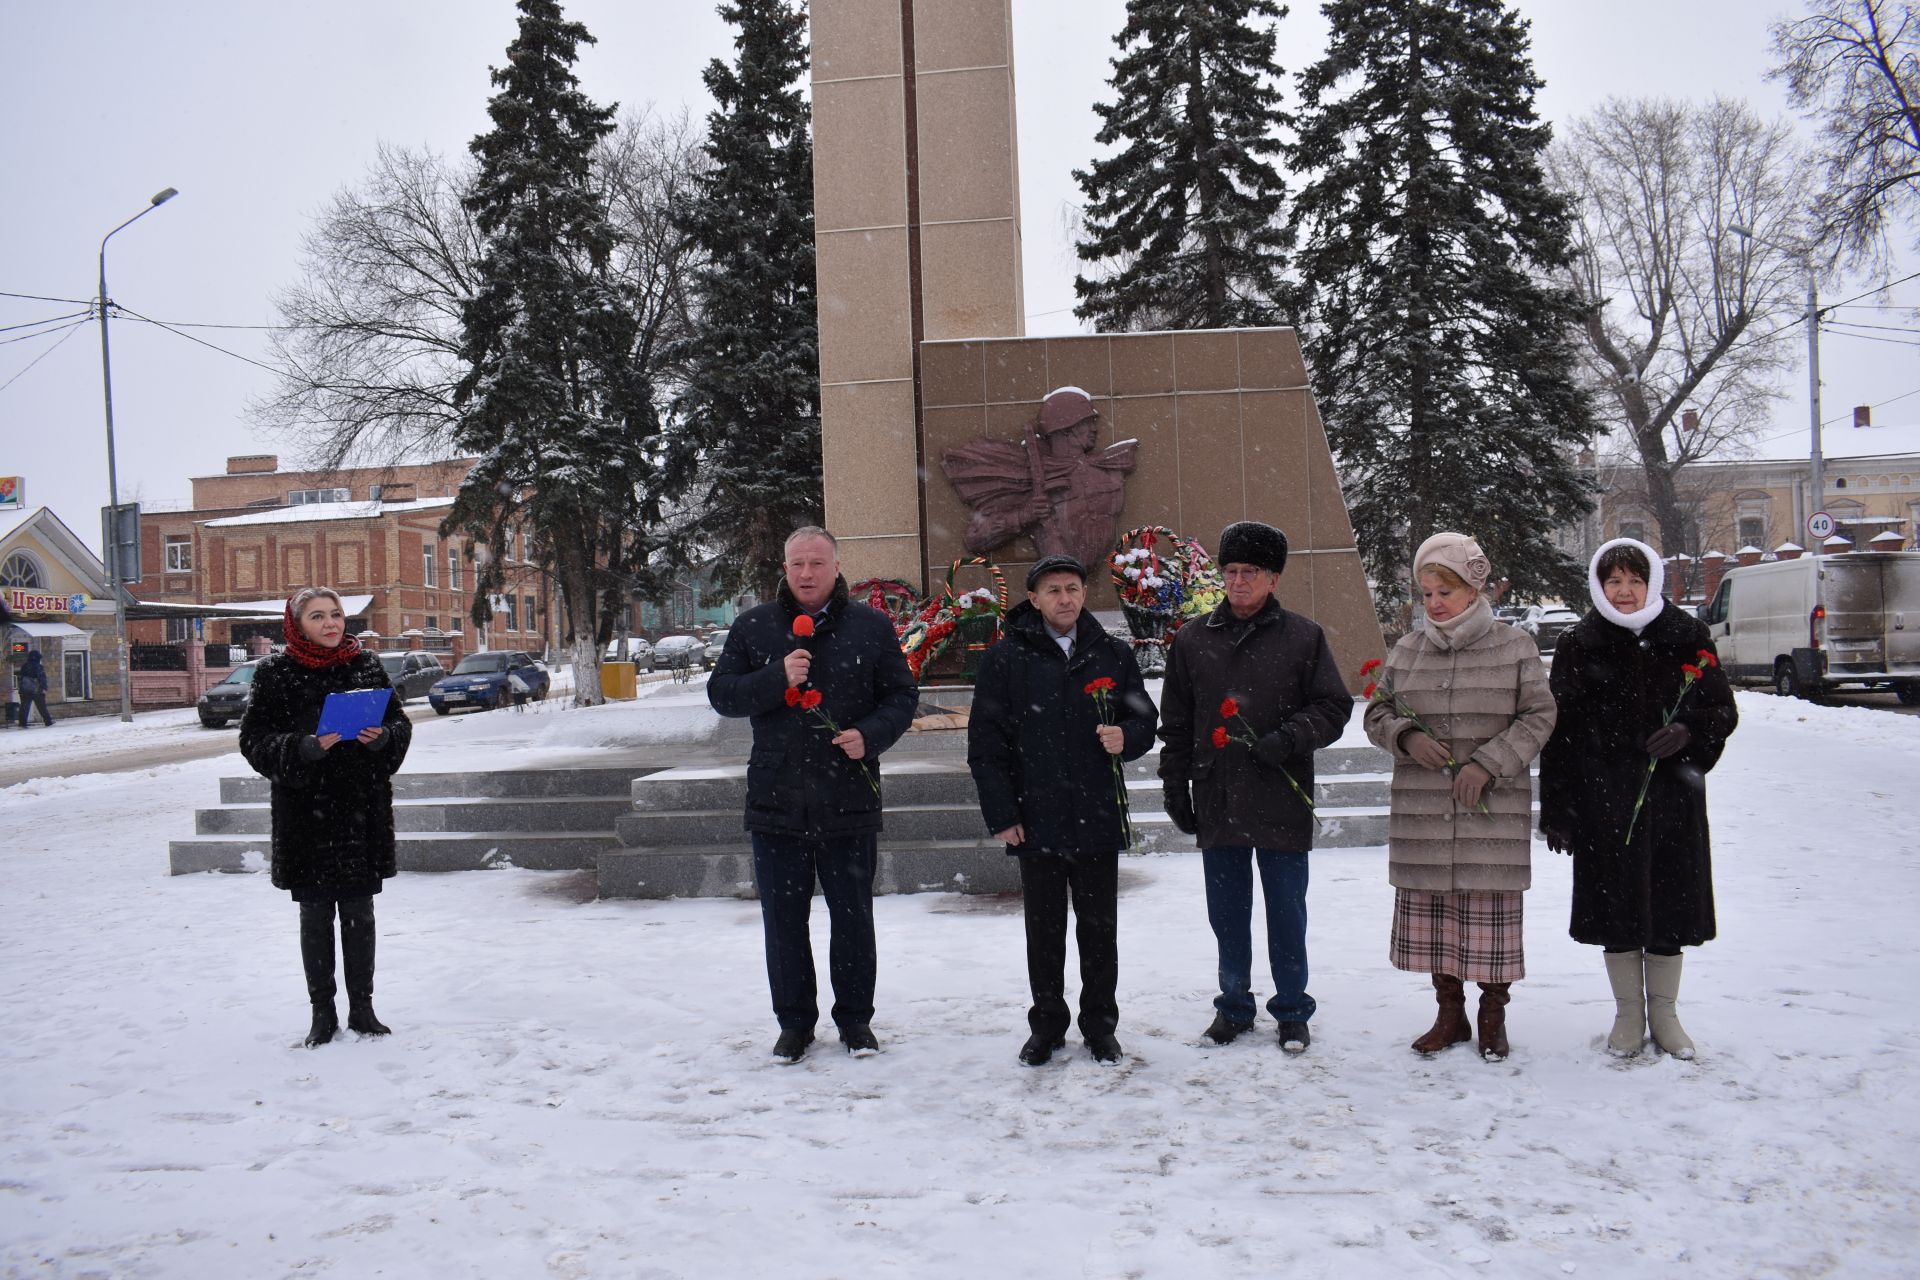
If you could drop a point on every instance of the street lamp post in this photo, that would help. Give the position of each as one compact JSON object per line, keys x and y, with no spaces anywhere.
{"x":113,"y":479}
{"x":1817,"y":499}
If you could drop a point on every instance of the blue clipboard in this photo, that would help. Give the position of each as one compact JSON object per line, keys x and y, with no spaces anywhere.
{"x":348,"y":713}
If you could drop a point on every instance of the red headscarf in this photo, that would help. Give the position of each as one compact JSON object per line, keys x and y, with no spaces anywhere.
{"x":308,"y":654}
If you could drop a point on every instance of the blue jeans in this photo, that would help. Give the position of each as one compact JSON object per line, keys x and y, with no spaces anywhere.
{"x":784,"y":868}
{"x":1283,"y":882}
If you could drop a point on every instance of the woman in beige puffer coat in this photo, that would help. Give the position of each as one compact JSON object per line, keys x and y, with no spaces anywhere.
{"x":1469,"y":712}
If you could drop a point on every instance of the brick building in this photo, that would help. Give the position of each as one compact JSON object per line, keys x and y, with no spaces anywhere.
{"x":256,"y":534}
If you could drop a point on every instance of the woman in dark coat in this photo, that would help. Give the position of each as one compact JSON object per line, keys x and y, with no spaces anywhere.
{"x":1642,"y":887}
{"x":332,"y":800}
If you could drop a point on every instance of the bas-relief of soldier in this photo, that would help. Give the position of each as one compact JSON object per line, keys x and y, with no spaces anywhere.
{"x":1053,"y":485}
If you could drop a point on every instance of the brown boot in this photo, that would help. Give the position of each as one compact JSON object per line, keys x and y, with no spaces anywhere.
{"x":1451,"y":1026}
{"x":1493,"y":1020}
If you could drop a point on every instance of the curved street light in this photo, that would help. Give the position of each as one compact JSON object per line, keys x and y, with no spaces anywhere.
{"x":113,"y":480}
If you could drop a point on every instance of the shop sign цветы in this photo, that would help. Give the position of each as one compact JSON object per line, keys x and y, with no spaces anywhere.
{"x":21,"y":600}
{"x":13,"y":493}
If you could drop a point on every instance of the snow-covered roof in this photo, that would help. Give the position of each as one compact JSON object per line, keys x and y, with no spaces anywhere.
{"x":1749,"y":550}
{"x":1888,"y":536}
{"x":1789,"y":546}
{"x":1837,"y":541}
{"x":349,"y":605}
{"x":1841,"y":442}
{"x":301,"y":513}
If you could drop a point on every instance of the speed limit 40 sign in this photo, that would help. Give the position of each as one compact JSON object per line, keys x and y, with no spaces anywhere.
{"x":1820,"y":526}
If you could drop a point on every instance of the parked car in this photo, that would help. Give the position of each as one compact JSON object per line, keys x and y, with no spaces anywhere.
{"x":228,"y":699}
{"x":1546,"y":623}
{"x":411,"y":672}
{"x":484,"y":680}
{"x":1864,"y":629}
{"x":1513,"y":613}
{"x":677,"y":651}
{"x":639,"y":651}
{"x":711,"y":654}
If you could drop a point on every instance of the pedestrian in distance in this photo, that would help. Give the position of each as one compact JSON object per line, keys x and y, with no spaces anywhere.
{"x":1645,"y":712}
{"x":828,"y":691}
{"x":32,"y":682}
{"x":1056,"y":704}
{"x":1463,"y":707}
{"x":332,"y":799}
{"x":1251,"y":693}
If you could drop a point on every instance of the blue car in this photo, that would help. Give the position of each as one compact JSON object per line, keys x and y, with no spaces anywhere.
{"x":488,"y":680}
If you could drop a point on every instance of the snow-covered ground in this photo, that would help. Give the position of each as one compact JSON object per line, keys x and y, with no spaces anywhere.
{"x":580,"y":1088}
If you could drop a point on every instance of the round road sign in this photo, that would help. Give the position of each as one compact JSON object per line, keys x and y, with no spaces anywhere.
{"x":1820,"y":526}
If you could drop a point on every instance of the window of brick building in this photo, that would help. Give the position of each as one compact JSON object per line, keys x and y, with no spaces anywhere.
{"x":179,"y":552}
{"x":246,"y":570}
{"x":513,"y":622}
{"x":531,"y":624}
{"x":302,"y":497}
{"x":453,"y":567}
{"x":349,"y":564}
{"x":426,"y":562}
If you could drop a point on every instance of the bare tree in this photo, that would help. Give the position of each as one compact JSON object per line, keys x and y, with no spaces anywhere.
{"x":1852,"y":67}
{"x":369,"y":351}
{"x":1682,"y":313}
{"x":370,"y":348}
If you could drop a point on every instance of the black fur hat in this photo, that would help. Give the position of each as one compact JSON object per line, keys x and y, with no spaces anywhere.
{"x":1250,"y":542}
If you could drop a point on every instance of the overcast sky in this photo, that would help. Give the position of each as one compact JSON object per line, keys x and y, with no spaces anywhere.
{"x":259,"y":112}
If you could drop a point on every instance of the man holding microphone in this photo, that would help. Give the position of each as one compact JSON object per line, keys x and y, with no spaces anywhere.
{"x":828,"y":691}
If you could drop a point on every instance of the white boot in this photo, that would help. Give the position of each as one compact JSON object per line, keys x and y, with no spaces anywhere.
{"x":1663,"y":987}
{"x":1629,"y":1003}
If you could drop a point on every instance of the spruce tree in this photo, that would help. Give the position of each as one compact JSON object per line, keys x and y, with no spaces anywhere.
{"x":748,"y":430}
{"x":1426,"y":239}
{"x":549,"y":402}
{"x":1184,"y":220}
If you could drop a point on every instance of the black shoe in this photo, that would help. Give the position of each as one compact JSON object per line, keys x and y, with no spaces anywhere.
{"x":1294,"y":1037}
{"x":1038,"y":1050}
{"x":1224,"y":1032}
{"x":325,"y":1023}
{"x":1102,"y":1046}
{"x":792,"y":1045}
{"x":360,"y":1018}
{"x":859,"y":1040}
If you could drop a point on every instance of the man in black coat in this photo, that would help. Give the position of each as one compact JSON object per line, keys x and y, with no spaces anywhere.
{"x":1042,"y":752}
{"x":813,"y":791}
{"x":1277,"y":671}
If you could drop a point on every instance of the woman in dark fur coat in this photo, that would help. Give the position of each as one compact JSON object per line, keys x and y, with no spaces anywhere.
{"x":332,"y":800}
{"x":1642,"y":887}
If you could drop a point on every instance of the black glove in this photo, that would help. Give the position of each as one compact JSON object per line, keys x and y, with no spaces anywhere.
{"x":1558,"y":841}
{"x":1276,"y":748}
{"x":1669,"y":740}
{"x":380,"y":742}
{"x":311,"y":750}
{"x":1179,"y":803}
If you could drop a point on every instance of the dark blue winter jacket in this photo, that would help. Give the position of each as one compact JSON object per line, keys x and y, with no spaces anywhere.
{"x":798,"y":782}
{"x":1030,"y":735}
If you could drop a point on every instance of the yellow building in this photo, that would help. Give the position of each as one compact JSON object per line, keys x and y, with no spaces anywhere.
{"x":1760,"y":503}
{"x":57,"y":602}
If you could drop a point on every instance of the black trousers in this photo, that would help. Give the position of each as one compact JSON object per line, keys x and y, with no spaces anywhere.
{"x":1091,"y":881}
{"x":784,"y":870}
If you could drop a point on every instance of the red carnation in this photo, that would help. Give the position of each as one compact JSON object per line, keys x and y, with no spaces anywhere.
{"x":1369,"y":666}
{"x":1103,"y":685}
{"x":793,"y":696}
{"x":1707,"y":659}
{"x":810,"y":699}
{"x":803,"y":625}
{"x":1367,"y":692}
{"x":1229,"y":709}
{"x":1690,"y":671}
{"x":1220,"y":738}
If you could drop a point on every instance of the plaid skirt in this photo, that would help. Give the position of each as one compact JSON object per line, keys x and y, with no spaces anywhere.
{"x":1472,"y":935}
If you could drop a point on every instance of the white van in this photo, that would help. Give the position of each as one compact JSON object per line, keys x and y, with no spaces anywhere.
{"x":1864,"y":629}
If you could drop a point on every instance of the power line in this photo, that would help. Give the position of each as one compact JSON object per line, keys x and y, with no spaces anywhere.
{"x":1861,"y":324}
{"x":47,"y":333}
{"x":35,"y":324}
{"x":41,"y":297}
{"x":1868,"y":337}
{"x":202,"y":341}
{"x":188,"y":324}
{"x":71,"y":330}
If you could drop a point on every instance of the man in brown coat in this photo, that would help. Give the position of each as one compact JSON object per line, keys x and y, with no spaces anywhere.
{"x":1250,"y":694}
